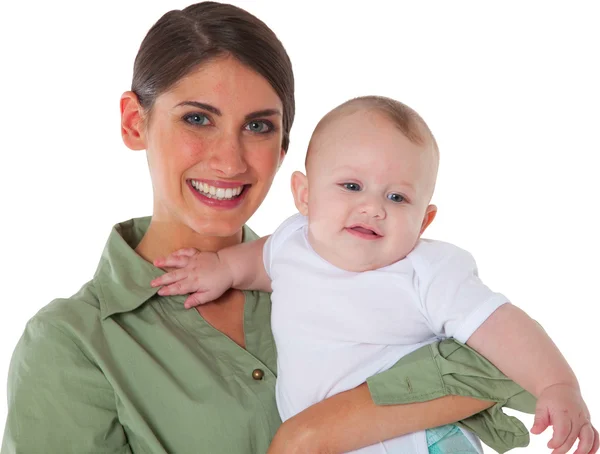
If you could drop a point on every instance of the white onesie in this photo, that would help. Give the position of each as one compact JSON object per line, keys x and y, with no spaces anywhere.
{"x":335,"y":328}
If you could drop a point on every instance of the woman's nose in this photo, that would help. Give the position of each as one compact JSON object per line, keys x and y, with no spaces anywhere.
{"x":227,"y":159}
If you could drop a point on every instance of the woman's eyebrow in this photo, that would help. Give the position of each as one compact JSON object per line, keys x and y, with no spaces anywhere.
{"x":200,"y":105}
{"x":262,"y":113}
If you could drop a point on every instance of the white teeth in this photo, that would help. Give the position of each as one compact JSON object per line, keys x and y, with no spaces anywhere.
{"x":216,"y":193}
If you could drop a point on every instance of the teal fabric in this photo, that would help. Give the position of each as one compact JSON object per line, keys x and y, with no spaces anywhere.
{"x":448,"y":440}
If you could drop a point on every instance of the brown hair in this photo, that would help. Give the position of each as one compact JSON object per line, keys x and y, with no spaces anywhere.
{"x":183,"y":39}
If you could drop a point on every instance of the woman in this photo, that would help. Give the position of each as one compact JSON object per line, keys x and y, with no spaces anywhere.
{"x":118,"y":368}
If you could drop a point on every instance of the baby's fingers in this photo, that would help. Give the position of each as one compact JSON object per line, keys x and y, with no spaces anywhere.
{"x":168,"y":278}
{"x":186,"y":252}
{"x":564,"y":436}
{"x":586,"y":440}
{"x":172,"y":261}
{"x":541,"y":421}
{"x":596,"y":444}
{"x":177,"y":288}
{"x":196,"y":299}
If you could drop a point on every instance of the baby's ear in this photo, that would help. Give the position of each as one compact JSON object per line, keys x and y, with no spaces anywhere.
{"x":430,"y":213}
{"x":300,"y":191}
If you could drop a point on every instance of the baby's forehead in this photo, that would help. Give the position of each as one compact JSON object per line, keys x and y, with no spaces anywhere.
{"x":345,"y":115}
{"x":360,"y":116}
{"x":380,"y":109}
{"x":351,"y":124}
{"x":360,"y":126}
{"x":369,"y":151}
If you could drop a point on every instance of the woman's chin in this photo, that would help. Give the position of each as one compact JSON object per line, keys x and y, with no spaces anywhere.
{"x":222,"y":226}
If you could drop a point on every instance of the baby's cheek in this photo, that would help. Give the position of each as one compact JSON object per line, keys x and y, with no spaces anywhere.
{"x":411,"y":233}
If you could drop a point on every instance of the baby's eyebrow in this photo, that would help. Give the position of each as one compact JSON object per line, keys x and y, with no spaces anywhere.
{"x":345,"y":168}
{"x":407,"y":185}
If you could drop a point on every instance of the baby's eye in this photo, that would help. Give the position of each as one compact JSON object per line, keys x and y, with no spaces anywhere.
{"x":197,"y":119}
{"x":396,"y":198}
{"x":259,"y":126}
{"x":351,"y":186}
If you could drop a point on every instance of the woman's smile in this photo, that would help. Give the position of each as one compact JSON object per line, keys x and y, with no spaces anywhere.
{"x":218,"y":194}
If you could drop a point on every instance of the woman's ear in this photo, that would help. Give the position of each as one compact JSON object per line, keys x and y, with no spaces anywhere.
{"x":282,"y":154}
{"x":430,"y":213}
{"x":300,"y":191}
{"x":132,"y":123}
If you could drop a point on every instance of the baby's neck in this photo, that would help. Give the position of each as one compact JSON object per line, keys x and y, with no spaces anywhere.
{"x":332,"y":257}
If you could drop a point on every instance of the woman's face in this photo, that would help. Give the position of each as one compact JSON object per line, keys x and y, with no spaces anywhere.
{"x":214,"y":145}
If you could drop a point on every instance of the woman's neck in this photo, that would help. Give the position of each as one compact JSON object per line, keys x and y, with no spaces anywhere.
{"x":164,"y":238}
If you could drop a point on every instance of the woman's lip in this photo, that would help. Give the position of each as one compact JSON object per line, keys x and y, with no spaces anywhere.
{"x":220,"y":184}
{"x":225,"y":204}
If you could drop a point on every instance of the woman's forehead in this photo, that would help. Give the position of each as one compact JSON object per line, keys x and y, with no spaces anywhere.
{"x":226,"y":84}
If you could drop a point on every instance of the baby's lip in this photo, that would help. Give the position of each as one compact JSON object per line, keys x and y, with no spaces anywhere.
{"x":365,"y":227}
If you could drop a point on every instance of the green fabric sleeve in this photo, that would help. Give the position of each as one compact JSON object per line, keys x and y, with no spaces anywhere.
{"x":451,"y":368}
{"x":58,"y":400}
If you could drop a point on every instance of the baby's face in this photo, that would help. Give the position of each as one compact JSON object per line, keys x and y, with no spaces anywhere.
{"x":369,"y":189}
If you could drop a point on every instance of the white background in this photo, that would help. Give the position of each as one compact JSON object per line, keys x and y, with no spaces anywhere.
{"x":509,"y":89}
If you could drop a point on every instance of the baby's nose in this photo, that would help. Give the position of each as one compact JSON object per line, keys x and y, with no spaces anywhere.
{"x":373,"y":209}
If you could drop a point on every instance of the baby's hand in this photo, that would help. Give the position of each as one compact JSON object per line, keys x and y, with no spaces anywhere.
{"x":563,"y":407}
{"x":200,"y":273}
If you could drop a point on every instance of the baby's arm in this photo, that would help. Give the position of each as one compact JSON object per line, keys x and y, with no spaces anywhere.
{"x":521,"y":349}
{"x":207,"y":275}
{"x":247,"y":266}
{"x":459,"y":305}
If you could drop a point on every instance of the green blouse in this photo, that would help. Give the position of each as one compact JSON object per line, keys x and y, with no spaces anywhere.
{"x":117,"y":368}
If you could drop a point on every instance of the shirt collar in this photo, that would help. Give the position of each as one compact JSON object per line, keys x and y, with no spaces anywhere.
{"x":123,"y":277}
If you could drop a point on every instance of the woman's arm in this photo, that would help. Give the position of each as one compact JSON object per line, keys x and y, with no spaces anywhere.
{"x":58,"y":400}
{"x":351,"y":420}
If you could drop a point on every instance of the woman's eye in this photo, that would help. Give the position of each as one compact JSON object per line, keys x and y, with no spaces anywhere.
{"x":259,"y":126}
{"x":351,"y":186}
{"x":396,"y":198}
{"x":197,"y":119}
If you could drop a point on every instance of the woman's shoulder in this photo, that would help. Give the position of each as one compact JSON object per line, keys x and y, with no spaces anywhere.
{"x":121,"y":278}
{"x":71,"y":317}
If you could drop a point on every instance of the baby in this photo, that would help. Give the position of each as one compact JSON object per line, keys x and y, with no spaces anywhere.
{"x":355,"y":288}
